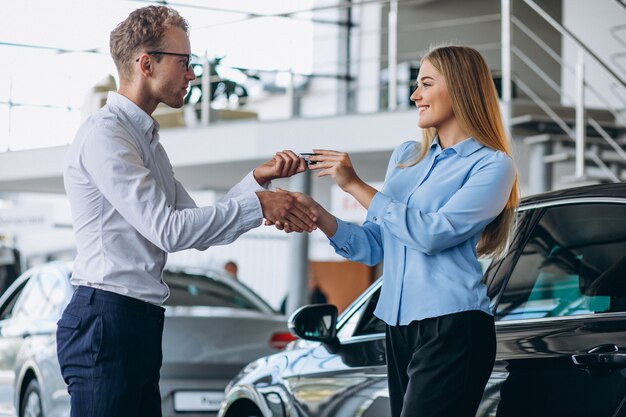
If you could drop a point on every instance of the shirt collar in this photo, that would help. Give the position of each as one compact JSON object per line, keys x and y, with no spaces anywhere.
{"x":144,"y":122}
{"x":463,"y":148}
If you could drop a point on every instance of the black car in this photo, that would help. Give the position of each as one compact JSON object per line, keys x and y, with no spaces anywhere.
{"x":559,"y":298}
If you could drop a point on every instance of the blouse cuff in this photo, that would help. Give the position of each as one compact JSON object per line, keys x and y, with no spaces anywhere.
{"x":378,"y":208}
{"x":341,"y":236}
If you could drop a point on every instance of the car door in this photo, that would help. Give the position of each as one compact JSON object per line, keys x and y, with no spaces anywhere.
{"x":350,"y":380}
{"x":10,"y":342}
{"x":561,"y":315}
{"x":27,"y":334}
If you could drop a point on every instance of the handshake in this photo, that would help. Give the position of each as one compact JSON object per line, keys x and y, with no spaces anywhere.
{"x":297,"y":212}
{"x":288,"y":211}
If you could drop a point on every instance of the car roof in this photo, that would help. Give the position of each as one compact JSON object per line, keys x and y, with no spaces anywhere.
{"x":210,"y":273}
{"x":615,"y":190}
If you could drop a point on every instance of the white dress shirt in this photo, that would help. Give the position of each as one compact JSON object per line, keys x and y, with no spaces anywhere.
{"x":129,"y":210}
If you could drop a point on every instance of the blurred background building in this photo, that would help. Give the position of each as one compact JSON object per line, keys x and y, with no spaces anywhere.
{"x":301,"y":75}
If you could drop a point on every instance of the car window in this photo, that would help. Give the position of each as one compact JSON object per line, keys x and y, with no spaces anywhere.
{"x":363,"y":321}
{"x":199,"y":290}
{"x":9,"y":306}
{"x":573,"y":263}
{"x":43,"y":296}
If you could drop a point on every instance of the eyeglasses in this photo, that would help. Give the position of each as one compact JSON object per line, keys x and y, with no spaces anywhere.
{"x":187,"y":57}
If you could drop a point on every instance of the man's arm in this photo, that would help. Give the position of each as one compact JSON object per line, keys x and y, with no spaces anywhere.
{"x":112,"y":162}
{"x":286,"y":210}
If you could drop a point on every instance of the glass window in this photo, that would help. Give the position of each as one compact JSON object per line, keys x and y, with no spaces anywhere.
{"x":573,"y":263}
{"x":199,"y":290}
{"x":43,"y":297}
{"x":9,"y":305}
{"x":363,"y":321}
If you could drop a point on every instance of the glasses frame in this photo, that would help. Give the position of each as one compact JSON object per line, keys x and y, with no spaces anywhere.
{"x":189,"y":57}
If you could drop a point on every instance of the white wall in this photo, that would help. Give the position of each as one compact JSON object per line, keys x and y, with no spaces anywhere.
{"x":592,"y":22}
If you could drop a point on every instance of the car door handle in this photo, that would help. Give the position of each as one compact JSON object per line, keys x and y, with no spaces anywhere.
{"x":606,"y":356}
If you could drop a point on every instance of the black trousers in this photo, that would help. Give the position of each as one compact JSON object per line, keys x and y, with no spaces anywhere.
{"x":438,"y":367}
{"x":109,"y":349}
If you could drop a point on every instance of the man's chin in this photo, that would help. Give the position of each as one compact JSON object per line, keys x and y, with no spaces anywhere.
{"x":175,"y":104}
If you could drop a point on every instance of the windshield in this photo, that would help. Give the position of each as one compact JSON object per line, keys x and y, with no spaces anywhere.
{"x":199,"y":290}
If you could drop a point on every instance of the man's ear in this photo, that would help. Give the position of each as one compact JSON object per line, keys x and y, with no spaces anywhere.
{"x":146,"y":65}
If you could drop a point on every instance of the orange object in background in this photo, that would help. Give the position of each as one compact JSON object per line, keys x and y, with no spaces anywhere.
{"x":342,"y":281}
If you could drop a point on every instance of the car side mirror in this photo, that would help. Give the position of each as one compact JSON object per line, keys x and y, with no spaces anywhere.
{"x":317,"y":322}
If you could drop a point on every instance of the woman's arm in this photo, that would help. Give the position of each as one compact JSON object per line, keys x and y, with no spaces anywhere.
{"x":356,"y":243}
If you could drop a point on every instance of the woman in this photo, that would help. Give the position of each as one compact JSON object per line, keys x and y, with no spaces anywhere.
{"x":440,"y":207}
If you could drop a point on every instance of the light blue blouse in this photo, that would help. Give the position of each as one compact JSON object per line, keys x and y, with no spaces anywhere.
{"x":425,"y":223}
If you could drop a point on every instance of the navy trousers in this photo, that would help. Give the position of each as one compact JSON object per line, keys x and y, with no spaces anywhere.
{"x":438,"y":367}
{"x":109,"y":349}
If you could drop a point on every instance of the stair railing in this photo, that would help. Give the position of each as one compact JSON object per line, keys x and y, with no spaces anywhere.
{"x":577,"y":134}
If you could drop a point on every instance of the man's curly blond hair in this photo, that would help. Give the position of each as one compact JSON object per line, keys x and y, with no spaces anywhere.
{"x":142,"y":31}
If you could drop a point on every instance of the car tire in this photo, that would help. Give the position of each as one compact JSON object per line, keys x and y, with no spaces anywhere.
{"x":31,"y":402}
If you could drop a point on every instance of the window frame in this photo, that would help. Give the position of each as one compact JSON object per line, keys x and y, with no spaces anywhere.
{"x":537,"y":211}
{"x":13,"y":297}
{"x":358,"y":305}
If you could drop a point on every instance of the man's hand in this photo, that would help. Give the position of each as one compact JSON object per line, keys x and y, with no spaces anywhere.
{"x":284,"y":209}
{"x":283,"y":165}
{"x":324,"y":220}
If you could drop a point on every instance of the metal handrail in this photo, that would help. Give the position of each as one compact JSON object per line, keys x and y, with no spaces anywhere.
{"x":569,"y":35}
{"x":559,"y":121}
{"x":537,"y":69}
{"x":607,"y":137}
{"x":554,"y":55}
{"x":578,"y":135}
{"x":544,"y":106}
{"x":554,"y":85}
{"x":546,"y":48}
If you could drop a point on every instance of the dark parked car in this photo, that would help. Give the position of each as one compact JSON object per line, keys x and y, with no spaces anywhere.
{"x":559,"y":298}
{"x":214,"y":325}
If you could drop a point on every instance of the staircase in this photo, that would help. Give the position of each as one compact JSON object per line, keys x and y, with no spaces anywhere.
{"x":569,"y":145}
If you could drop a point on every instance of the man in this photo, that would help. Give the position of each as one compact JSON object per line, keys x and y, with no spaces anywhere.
{"x":231,"y":269}
{"x":129,"y":211}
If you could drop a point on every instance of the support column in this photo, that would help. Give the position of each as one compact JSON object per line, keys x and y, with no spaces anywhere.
{"x":298,"y":253}
{"x":205,"y":106}
{"x":393,"y":55}
{"x":540,"y":172}
{"x":507,"y":79}
{"x":580,"y":114}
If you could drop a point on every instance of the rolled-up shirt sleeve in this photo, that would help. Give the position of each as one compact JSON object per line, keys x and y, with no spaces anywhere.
{"x":114,"y":165}
{"x":469,"y":210}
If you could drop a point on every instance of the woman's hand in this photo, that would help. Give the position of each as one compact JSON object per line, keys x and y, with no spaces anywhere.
{"x":325,"y":221}
{"x":338,"y":165}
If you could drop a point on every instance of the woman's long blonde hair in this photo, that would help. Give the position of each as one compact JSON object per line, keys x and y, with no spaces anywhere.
{"x":475,"y":106}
